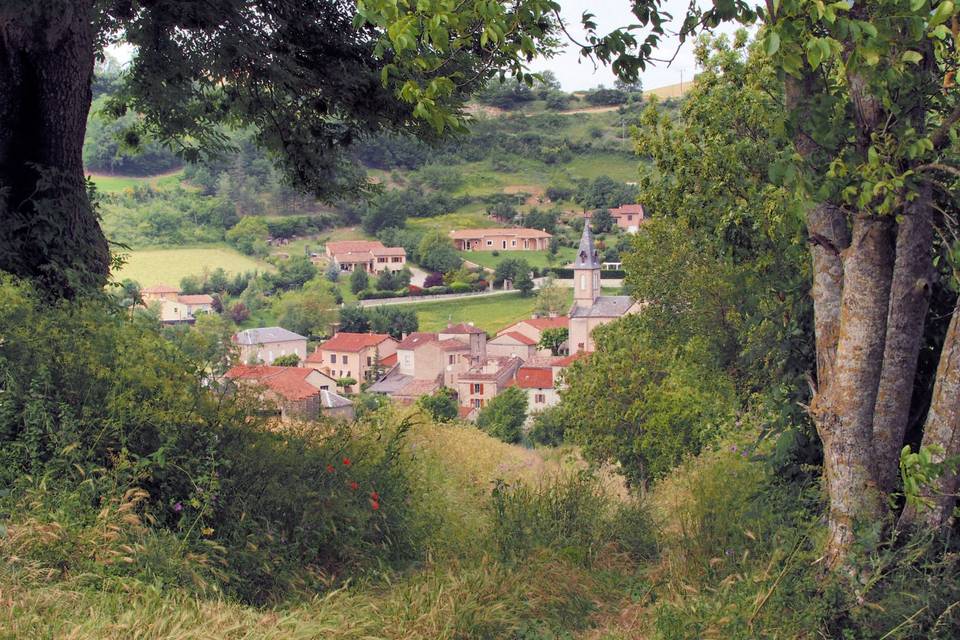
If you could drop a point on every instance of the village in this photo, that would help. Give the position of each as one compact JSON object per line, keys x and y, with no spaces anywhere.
{"x":459,"y":359}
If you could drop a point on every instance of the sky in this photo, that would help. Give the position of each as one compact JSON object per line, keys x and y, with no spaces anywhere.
{"x":575,"y":73}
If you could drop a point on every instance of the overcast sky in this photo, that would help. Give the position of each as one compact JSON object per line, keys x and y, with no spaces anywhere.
{"x":575,"y":73}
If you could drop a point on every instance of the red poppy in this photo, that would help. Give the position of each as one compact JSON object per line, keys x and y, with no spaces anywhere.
{"x":374,"y":496}
{"x":374,"y":505}
{"x":354,"y":486}
{"x":330,"y":468}
{"x":346,"y":462}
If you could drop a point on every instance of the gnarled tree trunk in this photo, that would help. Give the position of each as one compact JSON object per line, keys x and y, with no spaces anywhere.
{"x":942,"y":428}
{"x":48,"y":230}
{"x":909,"y":302}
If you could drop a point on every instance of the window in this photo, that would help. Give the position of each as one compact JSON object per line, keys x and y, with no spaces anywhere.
{"x":477,"y":388}
{"x":513,"y":243}
{"x":325,"y":387}
{"x":489,"y":243}
{"x":343,"y":359}
{"x":381,"y":259}
{"x":583,"y":282}
{"x":477,"y":403}
{"x":630,"y":217}
{"x":333,"y":358}
{"x":396,"y":259}
{"x":369,"y":361}
{"x":540,"y":398}
{"x":504,"y":242}
{"x":344,"y":267}
{"x":452,"y":359}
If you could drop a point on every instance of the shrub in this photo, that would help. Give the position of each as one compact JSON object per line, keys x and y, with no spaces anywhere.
{"x":433,"y":280}
{"x":548,"y":428}
{"x":503,"y":416}
{"x":574,"y":515}
{"x":460,"y":287}
{"x":442,"y":405}
{"x":359,"y":280}
{"x":289,"y":360}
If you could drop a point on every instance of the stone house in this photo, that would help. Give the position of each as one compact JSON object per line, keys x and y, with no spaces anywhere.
{"x":481,"y":383}
{"x":501,"y":239}
{"x":532,"y":329}
{"x":294,"y":392}
{"x":353,"y":355}
{"x":369,"y":255}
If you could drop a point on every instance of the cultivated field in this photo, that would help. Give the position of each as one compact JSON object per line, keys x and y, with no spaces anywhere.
{"x":168,"y":266}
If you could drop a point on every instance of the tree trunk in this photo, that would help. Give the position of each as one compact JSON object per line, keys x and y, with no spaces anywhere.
{"x":828,"y":236}
{"x":942,"y":428}
{"x":909,"y":301}
{"x":844,"y":412}
{"x":49,"y":230}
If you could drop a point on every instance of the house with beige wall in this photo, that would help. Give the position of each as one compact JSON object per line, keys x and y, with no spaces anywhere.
{"x":368,"y":255}
{"x":538,"y":383}
{"x":501,"y":239}
{"x":532,"y":329}
{"x":266,"y":344}
{"x":481,"y":383}
{"x":352,"y":355}
{"x":295,"y":392}
{"x":629,"y":217}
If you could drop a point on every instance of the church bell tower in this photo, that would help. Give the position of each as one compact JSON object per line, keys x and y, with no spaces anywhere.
{"x":586,"y":270}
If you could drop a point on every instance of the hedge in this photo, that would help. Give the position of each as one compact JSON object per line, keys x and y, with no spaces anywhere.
{"x":605,"y":274}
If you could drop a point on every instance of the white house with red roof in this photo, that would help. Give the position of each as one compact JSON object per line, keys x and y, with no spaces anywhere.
{"x":353,"y":355}
{"x":369,"y":255}
{"x":538,"y":381}
{"x":510,"y":342}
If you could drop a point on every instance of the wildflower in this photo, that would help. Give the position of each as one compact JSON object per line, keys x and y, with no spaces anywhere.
{"x":374,"y":505}
{"x":177,"y":507}
{"x":354,"y":486}
{"x":374,"y":496}
{"x":207,"y":531}
{"x":733,"y":448}
{"x":330,"y":468}
{"x":346,"y":462}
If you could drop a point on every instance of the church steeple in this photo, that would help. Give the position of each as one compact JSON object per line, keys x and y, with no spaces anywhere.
{"x":586,"y":269}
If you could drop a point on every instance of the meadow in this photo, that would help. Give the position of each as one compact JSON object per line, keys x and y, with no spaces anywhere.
{"x":169,"y":266}
{"x":538,"y":259}
{"x":116,"y":184}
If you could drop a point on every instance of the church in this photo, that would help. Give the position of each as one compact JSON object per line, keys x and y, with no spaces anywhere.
{"x":590,"y":309}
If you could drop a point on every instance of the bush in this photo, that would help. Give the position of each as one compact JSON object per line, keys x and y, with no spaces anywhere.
{"x":504,"y":415}
{"x":126,"y":418}
{"x":442,"y":405}
{"x":574,"y":515}
{"x":359,"y":280}
{"x":548,"y":428}
{"x":461,"y":287}
{"x":433,"y":280}
{"x":289,"y":360}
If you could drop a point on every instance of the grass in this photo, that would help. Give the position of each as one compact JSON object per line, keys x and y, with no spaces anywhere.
{"x":490,"y":313}
{"x":169,"y":266}
{"x":534,"y":258}
{"x":472,"y":217}
{"x":116,"y":184}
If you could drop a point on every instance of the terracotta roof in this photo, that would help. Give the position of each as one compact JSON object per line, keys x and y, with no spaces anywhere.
{"x":353,"y":256}
{"x":198,"y":298}
{"x":625,"y":209}
{"x":416,"y":339}
{"x":289,"y":382}
{"x":492,"y":369}
{"x":452,"y":344}
{"x":351,"y":342}
{"x":560,"y":322}
{"x":389,"y":361}
{"x":390,"y":251}
{"x":349,"y":246}
{"x":470,"y":234}
{"x":465,"y":412}
{"x":416,"y":388}
{"x":566,"y":361}
{"x":460,"y":328}
{"x":534,"y":378}
{"x":519,"y":337}
{"x":160,"y":288}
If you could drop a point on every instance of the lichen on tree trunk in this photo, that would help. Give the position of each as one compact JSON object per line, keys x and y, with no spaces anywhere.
{"x":49,"y":231}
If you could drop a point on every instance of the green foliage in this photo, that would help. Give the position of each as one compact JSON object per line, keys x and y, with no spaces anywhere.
{"x":511,"y":269}
{"x":574,"y":515}
{"x":359,"y":280}
{"x":289,"y":360}
{"x":127,"y":417}
{"x":642,"y":404}
{"x":602,"y":96}
{"x":441,"y":406}
{"x":354,"y":319}
{"x":601,"y":221}
{"x":310,"y":311}
{"x":113,"y":146}
{"x":503,"y":416}
{"x":249,"y":236}
{"x":604,"y":192}
{"x":548,"y":427}
{"x":553,"y":338}
{"x":524,"y":283}
{"x":436,"y":253}
{"x":394,"y":320}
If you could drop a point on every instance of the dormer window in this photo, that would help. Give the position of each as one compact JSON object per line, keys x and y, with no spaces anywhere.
{"x":583,"y":255}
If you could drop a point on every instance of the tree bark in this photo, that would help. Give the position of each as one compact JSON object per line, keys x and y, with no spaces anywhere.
{"x":909,"y":301}
{"x":844,"y":414}
{"x":942,"y":428}
{"x":49,"y":230}
{"x":828,"y":236}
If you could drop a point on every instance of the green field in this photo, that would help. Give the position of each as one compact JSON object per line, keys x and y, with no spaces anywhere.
{"x":446,"y":223}
{"x":169,"y":266}
{"x":491,"y":313}
{"x":116,"y":184}
{"x":534,"y":258}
